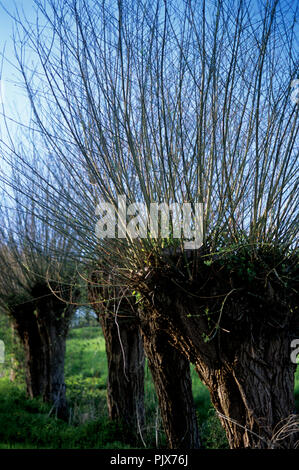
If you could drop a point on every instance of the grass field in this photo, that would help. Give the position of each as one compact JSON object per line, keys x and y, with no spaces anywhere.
{"x":30,"y":424}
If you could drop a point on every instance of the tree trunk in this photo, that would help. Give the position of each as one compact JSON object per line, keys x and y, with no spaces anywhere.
{"x":249,"y":375}
{"x":254,"y":394}
{"x":169,"y":368}
{"x":13,"y":361}
{"x":42,"y":326}
{"x":171,"y":375}
{"x":238,"y":335}
{"x":53,"y":320}
{"x":53,"y":343}
{"x":125,"y":356}
{"x":25,"y":324}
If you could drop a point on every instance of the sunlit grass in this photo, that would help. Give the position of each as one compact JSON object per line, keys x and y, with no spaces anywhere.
{"x":26,"y":424}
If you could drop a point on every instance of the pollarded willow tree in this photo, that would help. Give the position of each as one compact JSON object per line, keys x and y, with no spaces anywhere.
{"x":186,"y":102}
{"x":125,"y":354}
{"x":126,"y":340}
{"x":38,"y":291}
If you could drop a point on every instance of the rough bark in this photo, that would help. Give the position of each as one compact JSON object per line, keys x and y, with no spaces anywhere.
{"x":254,"y":393}
{"x":238,"y":335}
{"x":53,"y":320}
{"x":171,"y":375}
{"x":53,"y":343}
{"x":125,"y":356}
{"x":25,"y":324}
{"x":42,"y":326}
{"x":169,"y":368}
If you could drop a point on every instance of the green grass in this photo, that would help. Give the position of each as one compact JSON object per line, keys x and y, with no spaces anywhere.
{"x":28,"y":423}
{"x":212,"y":434}
{"x":86,"y":374}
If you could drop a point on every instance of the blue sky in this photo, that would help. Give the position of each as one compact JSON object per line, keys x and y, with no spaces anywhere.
{"x":12,"y":95}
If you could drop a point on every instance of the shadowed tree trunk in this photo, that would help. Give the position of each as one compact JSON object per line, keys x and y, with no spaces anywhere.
{"x":253,"y":391}
{"x":238,"y":335}
{"x":169,"y":368}
{"x":13,"y":360}
{"x":171,"y":375}
{"x":52,"y":358}
{"x":42,"y":325}
{"x":251,"y":381}
{"x":25,"y":324}
{"x":53,"y":320}
{"x":125,"y":356}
